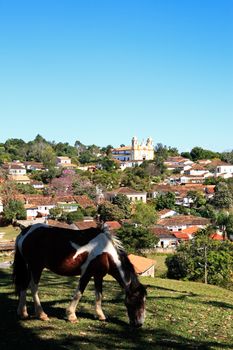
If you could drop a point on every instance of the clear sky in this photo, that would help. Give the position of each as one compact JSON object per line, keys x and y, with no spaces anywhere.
{"x":102,"y":71}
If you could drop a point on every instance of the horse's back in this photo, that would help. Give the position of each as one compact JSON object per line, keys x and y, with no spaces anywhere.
{"x":51,"y":247}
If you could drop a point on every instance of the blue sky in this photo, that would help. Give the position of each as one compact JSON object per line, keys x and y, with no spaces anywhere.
{"x":102,"y":71}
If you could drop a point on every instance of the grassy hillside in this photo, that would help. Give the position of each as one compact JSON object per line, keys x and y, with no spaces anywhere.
{"x":180,"y":315}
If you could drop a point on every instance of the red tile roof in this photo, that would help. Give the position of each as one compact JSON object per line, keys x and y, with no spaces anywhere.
{"x":181,"y":235}
{"x":140,"y":263}
{"x":184,"y":220}
{"x":216,"y":237}
{"x":113,"y":225}
{"x":56,"y":223}
{"x":83,"y":225}
{"x":126,"y":190}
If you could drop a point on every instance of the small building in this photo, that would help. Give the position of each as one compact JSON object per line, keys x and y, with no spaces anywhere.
{"x":130,"y":193}
{"x":63,"y":161}
{"x":225,"y":171}
{"x":142,"y":266}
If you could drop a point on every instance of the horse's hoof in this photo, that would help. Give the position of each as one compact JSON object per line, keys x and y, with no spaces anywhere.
{"x":43,"y":317}
{"x":102,"y":319}
{"x":23,"y":317}
{"x":72,"y":319}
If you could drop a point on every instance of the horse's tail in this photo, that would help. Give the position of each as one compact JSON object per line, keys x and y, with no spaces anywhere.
{"x":21,"y":273}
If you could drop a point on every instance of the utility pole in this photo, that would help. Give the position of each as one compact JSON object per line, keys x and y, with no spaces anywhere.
{"x":206,"y":265}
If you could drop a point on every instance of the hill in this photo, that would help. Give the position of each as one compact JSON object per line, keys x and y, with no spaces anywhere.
{"x":180,"y":315}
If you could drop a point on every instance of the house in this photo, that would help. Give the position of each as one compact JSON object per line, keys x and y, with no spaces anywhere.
{"x":113,"y":225}
{"x":166,"y":239}
{"x":135,"y":152}
{"x":196,"y":170}
{"x":181,"y":222}
{"x":182,"y":236}
{"x":178,"y":164}
{"x":142,"y":266}
{"x":60,"y":224}
{"x":34,"y":166}
{"x":166,"y":213}
{"x":20,"y":179}
{"x":38,"y":205}
{"x":194,"y":179}
{"x":16,"y":169}
{"x":38,"y":185}
{"x":225,"y":171}
{"x":62,"y":161}
{"x":83,"y":225}
{"x":130,"y":193}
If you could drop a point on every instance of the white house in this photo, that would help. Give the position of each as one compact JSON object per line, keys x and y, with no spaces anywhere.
{"x":60,"y":161}
{"x":130,"y":193}
{"x":224,"y":171}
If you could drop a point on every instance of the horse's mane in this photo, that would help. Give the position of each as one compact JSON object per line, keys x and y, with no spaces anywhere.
{"x":128,"y":267}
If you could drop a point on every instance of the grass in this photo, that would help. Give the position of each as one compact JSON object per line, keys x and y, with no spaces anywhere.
{"x":160,"y":266}
{"x":180,"y":315}
{"x":10,"y":232}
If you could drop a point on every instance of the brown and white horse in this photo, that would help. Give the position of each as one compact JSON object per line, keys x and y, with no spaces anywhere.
{"x":89,"y":253}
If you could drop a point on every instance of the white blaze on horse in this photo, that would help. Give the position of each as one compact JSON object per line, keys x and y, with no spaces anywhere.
{"x":89,"y":253}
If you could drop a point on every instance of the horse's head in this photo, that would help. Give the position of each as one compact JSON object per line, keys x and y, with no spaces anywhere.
{"x":135,"y":302}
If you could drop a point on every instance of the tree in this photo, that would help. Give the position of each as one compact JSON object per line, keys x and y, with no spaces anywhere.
{"x":105,"y":179}
{"x":197,"y":197}
{"x":123,"y":203}
{"x":224,"y":221}
{"x":75,"y":216}
{"x":202,"y":259}
{"x":223,"y":197}
{"x":200,"y":153}
{"x":108,"y":164}
{"x":144,"y":214}
{"x":110,"y":212}
{"x":136,"y":239}
{"x":13,"y":210}
{"x":55,"y":213}
{"x":166,"y":200}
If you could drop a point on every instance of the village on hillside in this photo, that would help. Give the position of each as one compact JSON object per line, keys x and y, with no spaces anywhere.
{"x":115,"y":184}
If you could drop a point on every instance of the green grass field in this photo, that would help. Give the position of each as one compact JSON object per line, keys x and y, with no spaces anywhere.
{"x":10,"y":232}
{"x":180,"y":315}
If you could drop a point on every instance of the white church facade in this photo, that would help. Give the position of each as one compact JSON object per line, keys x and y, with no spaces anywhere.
{"x":135,"y":154}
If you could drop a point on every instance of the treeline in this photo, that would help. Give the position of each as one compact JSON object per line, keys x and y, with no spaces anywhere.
{"x":41,"y":150}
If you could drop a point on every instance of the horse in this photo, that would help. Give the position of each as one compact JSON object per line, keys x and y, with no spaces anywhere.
{"x":88,"y":253}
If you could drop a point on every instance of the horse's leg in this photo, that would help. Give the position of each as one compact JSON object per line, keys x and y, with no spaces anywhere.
{"x":22,"y":307}
{"x":98,"y":295}
{"x":39,"y":312}
{"x":70,"y":311}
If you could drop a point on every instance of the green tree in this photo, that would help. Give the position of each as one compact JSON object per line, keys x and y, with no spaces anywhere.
{"x":123,"y":203}
{"x":144,"y":214}
{"x":136,"y":239}
{"x":110,"y":212}
{"x":55,"y":213}
{"x":13,"y":210}
{"x":203,"y":259}
{"x":197,"y":197}
{"x":108,"y":164}
{"x":200,"y":153}
{"x":223,"y":197}
{"x":75,"y":216}
{"x":224,"y":220}
{"x":166,"y":200}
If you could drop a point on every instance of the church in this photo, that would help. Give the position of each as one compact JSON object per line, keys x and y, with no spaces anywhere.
{"x":136,"y":153}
